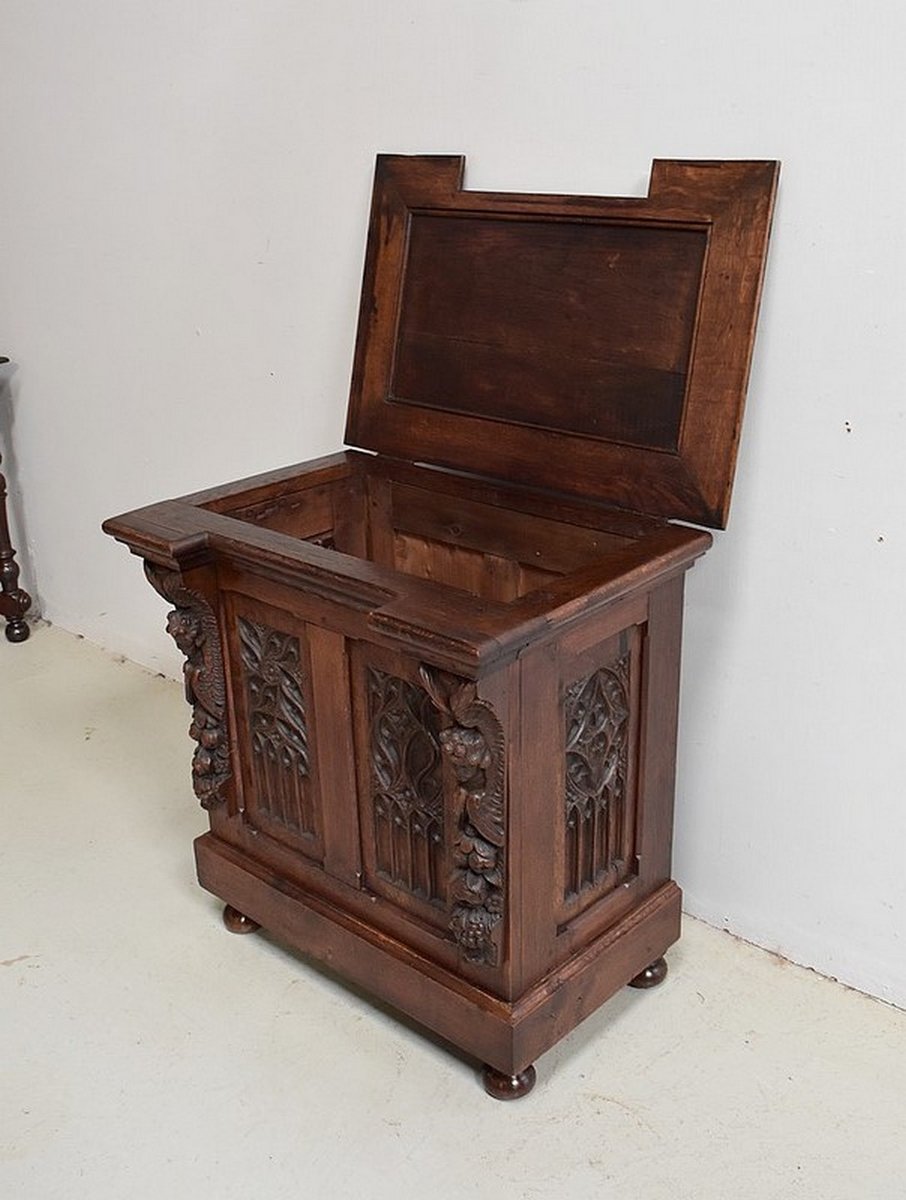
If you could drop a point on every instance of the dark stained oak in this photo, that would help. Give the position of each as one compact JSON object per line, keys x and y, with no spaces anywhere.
{"x":578,"y":358}
{"x":434,"y":680}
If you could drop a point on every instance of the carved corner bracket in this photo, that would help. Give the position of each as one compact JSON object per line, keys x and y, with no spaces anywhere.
{"x":193,"y":627}
{"x":473,"y":744}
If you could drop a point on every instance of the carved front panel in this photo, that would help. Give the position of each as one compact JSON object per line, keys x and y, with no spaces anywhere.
{"x":598,"y":848}
{"x":407,"y":786}
{"x":432,"y":807}
{"x":277,"y":730}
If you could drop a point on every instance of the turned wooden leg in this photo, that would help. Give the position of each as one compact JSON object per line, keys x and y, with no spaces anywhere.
{"x":14,"y":602}
{"x":508,"y":1087}
{"x":653,"y":974}
{"x":238,"y":922}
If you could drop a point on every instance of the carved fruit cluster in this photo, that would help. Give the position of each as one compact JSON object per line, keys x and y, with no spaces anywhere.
{"x":473,"y":744}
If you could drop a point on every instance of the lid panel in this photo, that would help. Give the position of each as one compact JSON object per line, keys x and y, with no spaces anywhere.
{"x":602,"y":353}
{"x":599,"y":347}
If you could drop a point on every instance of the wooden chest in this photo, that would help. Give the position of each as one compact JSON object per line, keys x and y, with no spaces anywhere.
{"x":434,"y":679}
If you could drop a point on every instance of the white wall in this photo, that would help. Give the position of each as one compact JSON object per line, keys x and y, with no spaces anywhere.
{"x":184,"y":199}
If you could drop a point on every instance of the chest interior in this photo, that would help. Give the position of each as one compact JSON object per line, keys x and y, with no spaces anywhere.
{"x":495,"y":542}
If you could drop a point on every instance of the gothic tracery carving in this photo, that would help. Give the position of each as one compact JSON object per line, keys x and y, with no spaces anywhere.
{"x":597,"y":754}
{"x":407,"y":786}
{"x":277,"y":730}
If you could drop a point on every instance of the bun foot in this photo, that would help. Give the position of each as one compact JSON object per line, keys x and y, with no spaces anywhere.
{"x":16,"y":630}
{"x":238,"y":922}
{"x":653,"y":974}
{"x":508,"y":1087}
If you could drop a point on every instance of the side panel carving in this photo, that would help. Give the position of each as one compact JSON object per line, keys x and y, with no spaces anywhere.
{"x":193,"y":627}
{"x":277,"y":732}
{"x":597,"y":758}
{"x":407,"y":786}
{"x":473,"y":743}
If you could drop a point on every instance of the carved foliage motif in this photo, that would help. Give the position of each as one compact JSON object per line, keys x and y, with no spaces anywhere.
{"x":193,"y":627}
{"x":597,"y":756}
{"x":473,"y":744}
{"x":277,"y":730}
{"x":407,"y":786}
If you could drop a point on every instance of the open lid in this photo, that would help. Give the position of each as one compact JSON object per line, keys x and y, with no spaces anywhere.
{"x":595,"y":346}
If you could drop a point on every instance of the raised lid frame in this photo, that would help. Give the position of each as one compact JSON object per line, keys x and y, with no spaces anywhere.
{"x":594,"y":346}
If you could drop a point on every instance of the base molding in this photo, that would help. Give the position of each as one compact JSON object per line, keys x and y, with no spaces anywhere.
{"x":506,"y":1036}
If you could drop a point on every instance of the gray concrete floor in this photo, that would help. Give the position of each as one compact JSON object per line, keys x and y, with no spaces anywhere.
{"x":146,"y":1052}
